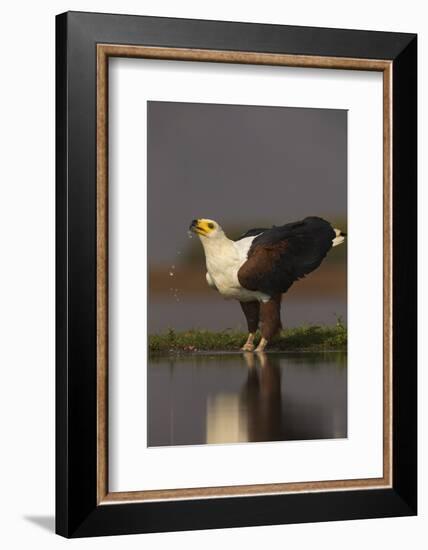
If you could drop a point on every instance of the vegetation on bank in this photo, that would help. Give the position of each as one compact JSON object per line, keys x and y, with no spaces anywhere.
{"x":305,"y":338}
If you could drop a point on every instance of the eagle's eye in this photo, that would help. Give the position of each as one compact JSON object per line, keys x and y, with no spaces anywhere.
{"x":211,"y":225}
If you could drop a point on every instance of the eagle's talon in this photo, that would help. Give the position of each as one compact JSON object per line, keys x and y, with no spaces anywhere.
{"x":262,"y":345}
{"x":248,"y":347}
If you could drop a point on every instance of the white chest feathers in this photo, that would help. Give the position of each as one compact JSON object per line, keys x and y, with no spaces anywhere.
{"x":223,"y":260}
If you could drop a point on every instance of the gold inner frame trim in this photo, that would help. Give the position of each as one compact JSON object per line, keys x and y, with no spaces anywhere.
{"x":104,"y":51}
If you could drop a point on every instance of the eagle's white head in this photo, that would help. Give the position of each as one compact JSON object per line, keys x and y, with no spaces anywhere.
{"x":207,"y":229}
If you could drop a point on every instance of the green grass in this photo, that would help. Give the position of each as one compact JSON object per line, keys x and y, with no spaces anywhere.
{"x":306,"y":338}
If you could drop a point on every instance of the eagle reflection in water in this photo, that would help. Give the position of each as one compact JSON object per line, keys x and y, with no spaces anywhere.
{"x":253,"y":414}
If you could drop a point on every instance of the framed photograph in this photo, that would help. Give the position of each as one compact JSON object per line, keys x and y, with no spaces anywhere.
{"x":236,"y":274}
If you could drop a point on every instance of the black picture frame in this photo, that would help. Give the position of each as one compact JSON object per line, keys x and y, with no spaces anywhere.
{"x":77,"y":511}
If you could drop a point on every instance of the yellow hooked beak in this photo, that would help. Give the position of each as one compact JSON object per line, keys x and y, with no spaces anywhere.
{"x":201,"y":227}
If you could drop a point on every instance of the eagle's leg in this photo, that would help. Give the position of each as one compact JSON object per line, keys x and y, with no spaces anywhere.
{"x":270,"y":317}
{"x":252,"y":313}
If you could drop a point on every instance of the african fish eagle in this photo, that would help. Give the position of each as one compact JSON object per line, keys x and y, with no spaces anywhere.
{"x":262,"y":264}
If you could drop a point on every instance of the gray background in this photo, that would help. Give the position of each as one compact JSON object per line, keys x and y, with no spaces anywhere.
{"x":239,"y":165}
{"x":242,"y":166}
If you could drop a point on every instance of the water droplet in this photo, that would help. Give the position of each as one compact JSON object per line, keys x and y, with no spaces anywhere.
{"x":171,"y":274}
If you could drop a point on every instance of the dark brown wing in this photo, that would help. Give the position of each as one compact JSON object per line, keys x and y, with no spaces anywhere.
{"x":282,"y":255}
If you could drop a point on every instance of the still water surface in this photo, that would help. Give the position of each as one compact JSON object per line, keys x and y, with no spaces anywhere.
{"x":235,"y":397}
